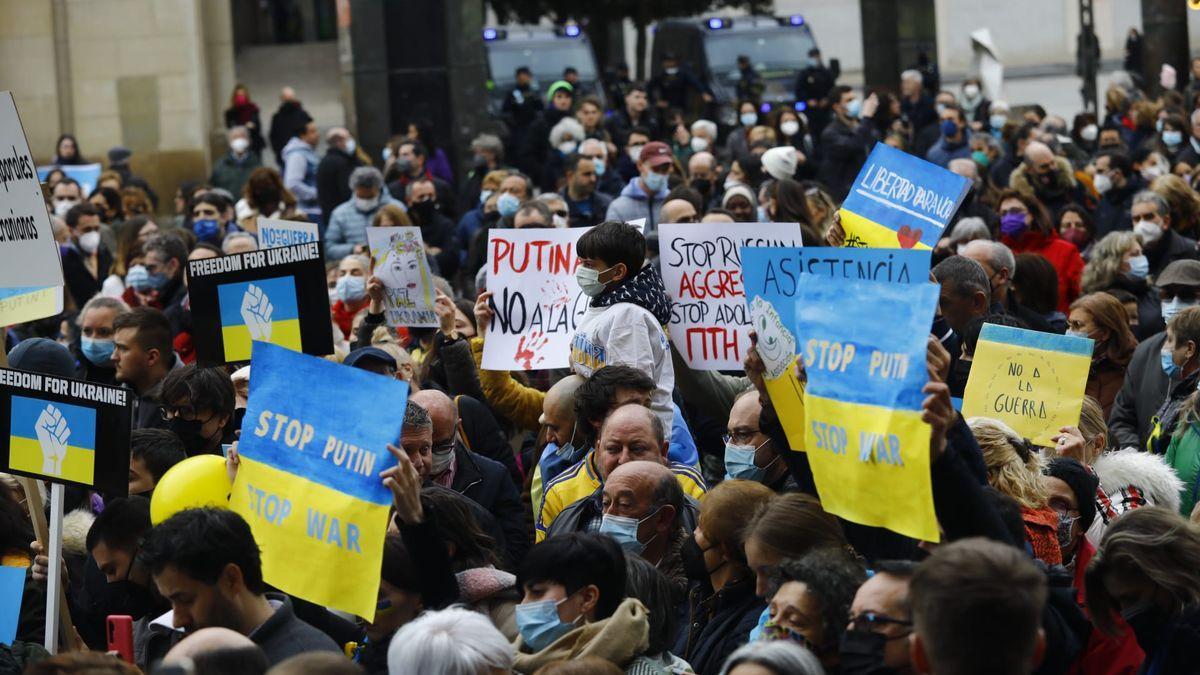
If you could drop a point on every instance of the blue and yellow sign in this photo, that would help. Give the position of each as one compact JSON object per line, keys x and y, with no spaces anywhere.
{"x":56,"y":440}
{"x":314,"y":441}
{"x":263,"y":310}
{"x":863,"y":345}
{"x":900,"y":201}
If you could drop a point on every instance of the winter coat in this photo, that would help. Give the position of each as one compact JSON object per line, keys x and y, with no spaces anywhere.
{"x":333,"y":180}
{"x":1149,"y":307}
{"x":1141,"y":394}
{"x":494,"y":594}
{"x":1105,"y":379}
{"x":579,"y":514}
{"x":81,"y":285}
{"x":1103,"y":654}
{"x":486,"y":482}
{"x":1165,"y":421}
{"x":635,"y":203}
{"x":287,"y":121}
{"x":1112,"y":213}
{"x":231,"y":173}
{"x":1173,"y":246}
{"x":943,"y":151}
{"x":1131,"y":479}
{"x":843,"y":152}
{"x":347,"y":227}
{"x":618,"y":639}
{"x":300,"y":176}
{"x":624,"y":325}
{"x":1063,"y":191}
{"x":717,"y":624}
{"x":1183,"y":456}
{"x":587,"y":212}
{"x":1061,"y":253}
{"x":247,"y":115}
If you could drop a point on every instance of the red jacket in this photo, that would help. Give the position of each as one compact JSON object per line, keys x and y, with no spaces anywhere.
{"x":1103,"y":654}
{"x":343,"y":316}
{"x":1061,"y":253}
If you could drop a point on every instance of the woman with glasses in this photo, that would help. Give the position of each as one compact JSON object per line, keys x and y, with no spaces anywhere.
{"x":1025,"y":228}
{"x":812,"y":599}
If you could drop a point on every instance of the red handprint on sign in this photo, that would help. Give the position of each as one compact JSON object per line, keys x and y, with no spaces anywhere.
{"x":527,"y":353}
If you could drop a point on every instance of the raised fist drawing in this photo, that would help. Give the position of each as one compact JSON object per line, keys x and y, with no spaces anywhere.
{"x":52,"y":434}
{"x":256,"y":312}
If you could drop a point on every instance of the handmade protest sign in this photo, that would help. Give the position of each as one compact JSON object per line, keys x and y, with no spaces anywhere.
{"x":900,"y":201}
{"x":400,"y":262}
{"x":276,"y":295}
{"x":1031,"y":381}
{"x":18,"y":305}
{"x":863,"y":345}
{"x":12,"y":588}
{"x":701,"y":268}
{"x":273,"y":233}
{"x":536,"y":298}
{"x":28,"y":253}
{"x":771,"y":277}
{"x":87,"y":175}
{"x":313,"y":443}
{"x":65,"y":431}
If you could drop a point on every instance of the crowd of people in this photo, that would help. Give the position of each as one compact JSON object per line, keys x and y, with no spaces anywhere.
{"x":631,"y":514}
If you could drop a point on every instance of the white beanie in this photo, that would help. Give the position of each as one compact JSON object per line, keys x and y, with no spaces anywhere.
{"x":780,"y":162}
{"x":739,"y":189}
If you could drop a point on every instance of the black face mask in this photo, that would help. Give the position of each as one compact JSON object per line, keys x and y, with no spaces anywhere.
{"x":694,"y":567}
{"x":188,"y":431}
{"x":703,"y":186}
{"x":491,"y":218}
{"x":959,"y":373}
{"x":861,"y":653}
{"x":424,"y":210}
{"x":1149,"y":624}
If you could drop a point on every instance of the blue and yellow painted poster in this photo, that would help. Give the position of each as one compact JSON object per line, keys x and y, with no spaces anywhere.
{"x":1033,"y":382}
{"x":53,"y":439}
{"x":863,"y":345}
{"x":771,"y":275}
{"x":314,"y":441}
{"x":900,"y":201}
{"x":263,"y":310}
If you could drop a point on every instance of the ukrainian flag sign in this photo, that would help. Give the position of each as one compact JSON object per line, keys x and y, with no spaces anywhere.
{"x":65,"y":431}
{"x":264,"y":310}
{"x":313,"y":443}
{"x":863,"y":345}
{"x":771,"y":277}
{"x":900,"y":201}
{"x":1033,"y":382}
{"x":275,"y":295}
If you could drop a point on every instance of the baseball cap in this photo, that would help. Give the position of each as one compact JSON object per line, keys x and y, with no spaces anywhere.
{"x":362,"y":353}
{"x":655,"y":154}
{"x":42,"y":355}
{"x":1180,"y":273}
{"x":559,"y":84}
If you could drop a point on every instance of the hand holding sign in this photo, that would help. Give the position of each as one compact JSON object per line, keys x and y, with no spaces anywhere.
{"x":52,"y":434}
{"x":256,"y":312}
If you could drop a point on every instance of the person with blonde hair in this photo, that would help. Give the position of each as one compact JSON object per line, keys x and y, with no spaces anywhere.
{"x":1148,"y":569}
{"x":1014,"y":467}
{"x":1102,"y":318}
{"x":1118,"y":262}
{"x":1183,"y":201}
{"x":788,"y":526}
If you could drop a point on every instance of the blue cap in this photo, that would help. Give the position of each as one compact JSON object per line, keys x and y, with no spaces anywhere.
{"x":353,"y":358}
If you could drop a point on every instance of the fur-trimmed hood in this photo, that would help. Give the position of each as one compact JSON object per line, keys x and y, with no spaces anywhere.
{"x":1147,"y":472}
{"x":1064,"y":176}
{"x":75,"y":530}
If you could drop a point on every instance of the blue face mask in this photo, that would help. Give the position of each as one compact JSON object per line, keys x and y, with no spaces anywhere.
{"x":1172,"y":137}
{"x":1168,"y":363}
{"x":997,"y":121}
{"x":854,"y":109}
{"x":1139,"y":267}
{"x":600,"y":167}
{"x":483,"y":195}
{"x":625,"y":530}
{"x":99,"y":352}
{"x":949,"y":128}
{"x":748,"y":119}
{"x":538,"y":623}
{"x":655,"y":181}
{"x":207,"y":229}
{"x":1174,"y":306}
{"x":351,"y":289}
{"x":739,"y":462}
{"x":507,"y":204}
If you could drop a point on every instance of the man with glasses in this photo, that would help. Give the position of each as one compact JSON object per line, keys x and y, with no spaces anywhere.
{"x":749,"y":453}
{"x":880,"y":622}
{"x":586,"y":206}
{"x":199,"y":406}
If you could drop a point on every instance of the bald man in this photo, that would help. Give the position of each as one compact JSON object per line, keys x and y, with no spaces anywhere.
{"x":1048,"y":177}
{"x":678,"y":211}
{"x":703,"y":173}
{"x":642,"y":509}
{"x":474,"y":476}
{"x":333,"y":172}
{"x":566,"y":443}
{"x":287,"y":121}
{"x":217,"y":645}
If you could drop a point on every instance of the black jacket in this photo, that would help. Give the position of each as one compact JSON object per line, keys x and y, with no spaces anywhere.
{"x":1149,"y":307}
{"x":598,"y":203}
{"x":284,"y":635}
{"x":576,"y":516}
{"x":718,"y":624}
{"x":1171,"y":247}
{"x":333,"y":180}
{"x":487,"y":483}
{"x":1143,"y":392}
{"x":287,"y":121}
{"x":843,"y":152}
{"x":1112,"y":213}
{"x":79,"y":281}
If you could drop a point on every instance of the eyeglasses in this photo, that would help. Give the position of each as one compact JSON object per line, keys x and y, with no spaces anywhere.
{"x":186,"y":412}
{"x":442,"y":447}
{"x":876,"y":622}
{"x":741,"y":436}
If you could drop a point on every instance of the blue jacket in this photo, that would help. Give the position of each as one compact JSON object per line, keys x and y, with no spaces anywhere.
{"x":634,"y":203}
{"x":347,"y":226}
{"x":942,"y":152}
{"x":300,"y":176}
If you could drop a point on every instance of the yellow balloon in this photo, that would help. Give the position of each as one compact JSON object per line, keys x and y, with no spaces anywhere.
{"x":194,"y":482}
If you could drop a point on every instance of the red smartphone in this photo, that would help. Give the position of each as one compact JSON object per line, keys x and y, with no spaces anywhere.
{"x":120,"y":636}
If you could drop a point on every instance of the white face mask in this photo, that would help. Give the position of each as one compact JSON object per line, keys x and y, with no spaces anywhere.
{"x":790,"y":127}
{"x":699,"y":144}
{"x":971,"y":91}
{"x":1089,"y":133}
{"x":365,"y":204}
{"x":61,"y":206}
{"x":589,"y":281}
{"x":89,"y":242}
{"x":635,"y":153}
{"x":239,"y":145}
{"x":567,"y":147}
{"x":351,"y":146}
{"x":1152,"y":171}
{"x":1148,"y":231}
{"x":1102,"y":183}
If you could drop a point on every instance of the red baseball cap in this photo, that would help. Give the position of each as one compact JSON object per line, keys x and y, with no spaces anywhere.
{"x":655,"y":154}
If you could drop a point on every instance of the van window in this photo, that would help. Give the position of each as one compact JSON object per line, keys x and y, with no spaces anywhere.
{"x":545,"y":59}
{"x":774,"y":49}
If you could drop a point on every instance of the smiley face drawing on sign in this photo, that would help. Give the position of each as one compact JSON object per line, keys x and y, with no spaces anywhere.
{"x":776,"y":344}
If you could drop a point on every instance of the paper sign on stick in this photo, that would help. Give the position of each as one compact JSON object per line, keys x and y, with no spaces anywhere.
{"x":701,"y":268}
{"x":87,"y":175}
{"x":1031,"y":381}
{"x":273,"y":233}
{"x":900,"y":201}
{"x":863,"y":345}
{"x":276,"y":295}
{"x":538,"y":303}
{"x":402,"y":265}
{"x":771,"y":277}
{"x":313,"y":442}
{"x":65,"y":431}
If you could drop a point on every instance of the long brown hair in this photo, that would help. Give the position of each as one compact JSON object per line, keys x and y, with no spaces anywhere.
{"x":1108,"y":313}
{"x":1037,"y":211}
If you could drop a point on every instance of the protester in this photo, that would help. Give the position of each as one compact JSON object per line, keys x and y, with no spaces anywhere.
{"x":86,"y":261}
{"x":645,"y":194}
{"x":143,"y":356}
{"x":152,"y":452}
{"x":1101,"y":318}
{"x":335,"y":183}
{"x":299,"y":160}
{"x":232,"y":170}
{"x":452,"y":641}
{"x":811,"y":599}
{"x":1025,"y":228}
{"x":772,"y":658}
{"x":348,"y":220}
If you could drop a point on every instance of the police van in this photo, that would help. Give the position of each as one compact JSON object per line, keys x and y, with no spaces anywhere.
{"x":546,"y":51}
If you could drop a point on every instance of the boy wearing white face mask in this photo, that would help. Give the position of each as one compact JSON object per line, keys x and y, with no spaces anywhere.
{"x":1151,"y":216}
{"x":624,"y":320}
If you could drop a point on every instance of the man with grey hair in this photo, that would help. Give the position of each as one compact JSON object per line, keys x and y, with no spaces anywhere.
{"x":333,"y":173}
{"x":349,"y":221}
{"x":704,"y":135}
{"x":1151,"y":216}
{"x":416,"y":438}
{"x":233,"y":169}
{"x":238,"y":242}
{"x":534,"y":213}
{"x":916,"y":105}
{"x":607,"y":182}
{"x":703,"y":173}
{"x":1000,"y":266}
{"x":966,"y":292}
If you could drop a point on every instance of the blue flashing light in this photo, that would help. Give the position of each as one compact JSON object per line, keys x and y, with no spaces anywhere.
{"x":764,"y":108}
{"x":571,"y":30}
{"x":716,"y":24}
{"x":796,"y":20}
{"x":489,"y":34}
{"x":800,"y":106}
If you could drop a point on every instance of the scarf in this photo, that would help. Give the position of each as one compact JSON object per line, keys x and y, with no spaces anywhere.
{"x":617,"y":639}
{"x":644,"y":289}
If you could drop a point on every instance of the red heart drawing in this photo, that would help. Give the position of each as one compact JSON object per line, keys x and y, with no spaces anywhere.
{"x":908,"y":237}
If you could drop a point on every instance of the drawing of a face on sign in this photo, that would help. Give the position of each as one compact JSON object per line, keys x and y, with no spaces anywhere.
{"x":402,"y":273}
